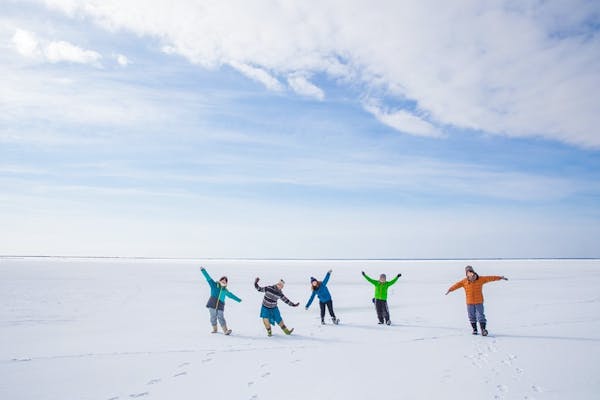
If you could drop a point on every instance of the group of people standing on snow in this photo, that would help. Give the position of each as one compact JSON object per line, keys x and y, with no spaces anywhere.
{"x":270,"y":314}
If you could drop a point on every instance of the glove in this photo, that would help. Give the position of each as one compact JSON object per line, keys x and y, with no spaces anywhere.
{"x":330,"y":271}
{"x":363,"y":273}
{"x":399,"y":275}
{"x":202,"y":269}
{"x":504,"y":278}
{"x":306,"y":308}
{"x":447,"y":292}
{"x":295,"y":305}
{"x":256,"y":280}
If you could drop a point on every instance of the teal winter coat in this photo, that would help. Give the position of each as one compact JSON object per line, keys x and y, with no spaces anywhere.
{"x":218,"y":293}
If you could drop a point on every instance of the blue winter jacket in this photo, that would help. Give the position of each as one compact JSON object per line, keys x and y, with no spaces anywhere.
{"x":322,"y":292}
{"x":218,"y":293}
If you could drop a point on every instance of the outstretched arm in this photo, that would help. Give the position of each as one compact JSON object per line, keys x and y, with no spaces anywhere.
{"x":312,"y":297}
{"x":373,"y":281}
{"x":232,"y":296}
{"x":455,"y":286}
{"x":288,"y":301}
{"x":326,"y":279}
{"x":260,"y":289}
{"x":487,"y":279}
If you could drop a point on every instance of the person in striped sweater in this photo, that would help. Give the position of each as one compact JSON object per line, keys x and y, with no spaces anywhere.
{"x":473,"y":285}
{"x":269,"y":312}
{"x":216,"y":301}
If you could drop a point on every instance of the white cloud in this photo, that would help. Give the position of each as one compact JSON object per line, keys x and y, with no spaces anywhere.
{"x":403,"y":121}
{"x":504,"y":67}
{"x":64,"y":51}
{"x":28,"y":45}
{"x":122,"y":60}
{"x":304,"y":87}
{"x":259,"y":75}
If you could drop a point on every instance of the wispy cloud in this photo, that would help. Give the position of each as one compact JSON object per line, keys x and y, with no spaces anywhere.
{"x":259,"y":75}
{"x":499,"y":67}
{"x":403,"y":121}
{"x":304,"y":87}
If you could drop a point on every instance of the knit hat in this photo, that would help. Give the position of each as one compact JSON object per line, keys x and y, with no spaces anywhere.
{"x":313,"y":279}
{"x":382,"y":276}
{"x":468,"y":268}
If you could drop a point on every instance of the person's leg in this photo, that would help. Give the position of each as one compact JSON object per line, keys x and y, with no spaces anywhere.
{"x":330,"y":308}
{"x":386,"y":312}
{"x":279,"y":321}
{"x":267,"y":325}
{"x":213,"y":319}
{"x":472,"y":317}
{"x":322,"y":306}
{"x":379,"y":308}
{"x":481,"y":318}
{"x":222,"y":322}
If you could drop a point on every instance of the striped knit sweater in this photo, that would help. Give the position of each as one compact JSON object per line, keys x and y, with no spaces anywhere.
{"x":272,"y":294}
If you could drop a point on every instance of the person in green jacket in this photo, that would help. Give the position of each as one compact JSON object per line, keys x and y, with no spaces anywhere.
{"x":216,"y":301}
{"x":380,"y":300}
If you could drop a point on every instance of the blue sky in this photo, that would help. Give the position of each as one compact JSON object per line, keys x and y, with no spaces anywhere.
{"x":186,"y":129}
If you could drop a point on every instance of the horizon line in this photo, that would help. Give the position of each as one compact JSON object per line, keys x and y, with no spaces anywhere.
{"x":294,"y":258}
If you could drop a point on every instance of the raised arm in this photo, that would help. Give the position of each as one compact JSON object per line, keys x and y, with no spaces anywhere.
{"x":206,"y":275}
{"x":373,"y":281}
{"x":390,"y":283}
{"x":260,"y":289}
{"x":312,"y":297}
{"x":326,"y":279}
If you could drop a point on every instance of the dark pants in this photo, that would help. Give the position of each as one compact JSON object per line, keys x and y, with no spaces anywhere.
{"x":329,"y":305}
{"x":383,"y":313}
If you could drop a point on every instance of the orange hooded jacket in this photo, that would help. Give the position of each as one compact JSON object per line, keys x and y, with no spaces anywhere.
{"x":473,"y":289}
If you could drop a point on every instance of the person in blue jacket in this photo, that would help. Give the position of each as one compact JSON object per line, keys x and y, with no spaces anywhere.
{"x":319,"y":288}
{"x":216,"y":301}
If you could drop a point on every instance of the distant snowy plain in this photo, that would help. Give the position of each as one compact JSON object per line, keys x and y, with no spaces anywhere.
{"x":121,"y":329}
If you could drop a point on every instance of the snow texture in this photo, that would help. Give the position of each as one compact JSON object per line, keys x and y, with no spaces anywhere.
{"x":116,"y":329}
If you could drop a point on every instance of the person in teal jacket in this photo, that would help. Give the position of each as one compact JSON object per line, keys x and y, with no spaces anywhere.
{"x":380,"y":300}
{"x":216,"y":301}
{"x":319,"y":289}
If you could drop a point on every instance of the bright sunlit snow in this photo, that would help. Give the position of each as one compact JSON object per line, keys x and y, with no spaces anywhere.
{"x":122,"y":329}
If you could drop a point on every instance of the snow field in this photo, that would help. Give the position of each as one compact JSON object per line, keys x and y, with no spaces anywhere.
{"x":124,"y":329}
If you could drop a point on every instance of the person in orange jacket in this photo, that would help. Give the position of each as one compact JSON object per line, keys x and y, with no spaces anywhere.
{"x":473,"y":285}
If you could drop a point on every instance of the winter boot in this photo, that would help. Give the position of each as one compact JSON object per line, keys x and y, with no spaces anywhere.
{"x":269,"y":332}
{"x":226,"y":331}
{"x":474,"y":325}
{"x":286,"y":330}
{"x":388,"y":322}
{"x":335,"y":320}
{"x":484,"y":331}
{"x":214,"y":329}
{"x":322,"y":322}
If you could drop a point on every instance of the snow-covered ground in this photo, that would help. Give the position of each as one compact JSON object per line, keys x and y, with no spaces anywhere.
{"x":74,"y":329}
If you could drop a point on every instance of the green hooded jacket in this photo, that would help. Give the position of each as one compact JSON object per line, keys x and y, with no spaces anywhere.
{"x":381,"y":288}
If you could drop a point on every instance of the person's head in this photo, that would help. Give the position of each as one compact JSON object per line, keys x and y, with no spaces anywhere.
{"x":382,"y":278}
{"x":470,"y":273}
{"x":314,"y":283}
{"x":280,"y":284}
{"x":223,"y":281}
